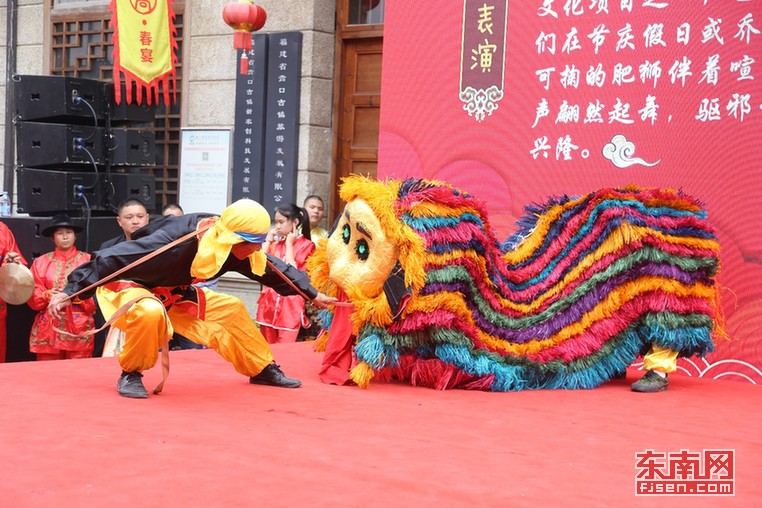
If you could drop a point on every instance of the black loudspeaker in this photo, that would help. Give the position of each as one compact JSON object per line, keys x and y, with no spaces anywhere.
{"x":132,"y":147}
{"x":59,"y":99}
{"x":59,"y":145}
{"x":133,"y":113}
{"x":47,"y":192}
{"x":28,"y":234}
{"x":133,"y":185}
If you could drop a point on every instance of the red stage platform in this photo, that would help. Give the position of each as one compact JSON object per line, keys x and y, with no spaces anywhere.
{"x":212,"y":439}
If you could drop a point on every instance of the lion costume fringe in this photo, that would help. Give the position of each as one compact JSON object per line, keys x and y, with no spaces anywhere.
{"x":584,"y":286}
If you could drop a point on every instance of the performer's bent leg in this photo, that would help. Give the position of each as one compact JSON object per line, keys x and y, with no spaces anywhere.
{"x":661,"y":359}
{"x":144,"y":332}
{"x":228,"y":329}
{"x":145,"y":326}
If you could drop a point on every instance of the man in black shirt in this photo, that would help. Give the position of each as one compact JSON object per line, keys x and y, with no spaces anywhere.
{"x":132,"y":215}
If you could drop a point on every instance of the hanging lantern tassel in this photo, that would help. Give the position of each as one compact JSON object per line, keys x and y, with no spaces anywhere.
{"x":244,"y":69}
{"x":244,"y":17}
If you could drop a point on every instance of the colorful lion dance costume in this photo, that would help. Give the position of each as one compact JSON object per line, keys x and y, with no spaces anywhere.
{"x":585,"y":286}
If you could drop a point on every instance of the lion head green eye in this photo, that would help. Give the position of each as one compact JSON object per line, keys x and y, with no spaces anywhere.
{"x":362,"y":250}
{"x":345,"y":233}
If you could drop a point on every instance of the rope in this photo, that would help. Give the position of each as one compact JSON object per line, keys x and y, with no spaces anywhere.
{"x":140,"y":261}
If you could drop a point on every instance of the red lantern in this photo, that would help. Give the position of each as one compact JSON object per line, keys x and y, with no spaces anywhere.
{"x":244,"y":17}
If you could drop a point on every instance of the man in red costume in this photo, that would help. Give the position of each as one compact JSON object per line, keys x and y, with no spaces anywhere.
{"x":9,"y":253}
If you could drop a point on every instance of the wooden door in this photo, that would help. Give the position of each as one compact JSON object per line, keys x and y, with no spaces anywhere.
{"x":358,"y":112}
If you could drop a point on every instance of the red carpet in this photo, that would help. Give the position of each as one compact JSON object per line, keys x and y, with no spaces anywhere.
{"x":211,"y":439}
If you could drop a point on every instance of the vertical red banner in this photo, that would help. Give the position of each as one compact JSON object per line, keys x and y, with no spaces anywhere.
{"x":144,"y":48}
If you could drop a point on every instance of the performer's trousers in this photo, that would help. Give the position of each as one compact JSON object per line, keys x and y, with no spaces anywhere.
{"x":661,"y":359}
{"x":227,"y":328}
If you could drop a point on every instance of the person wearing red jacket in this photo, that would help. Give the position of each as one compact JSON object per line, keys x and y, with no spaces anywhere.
{"x":280,"y":317}
{"x":9,"y":253}
{"x":51,"y":272}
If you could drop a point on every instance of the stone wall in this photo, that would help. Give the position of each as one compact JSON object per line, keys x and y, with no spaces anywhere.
{"x":211,"y":66}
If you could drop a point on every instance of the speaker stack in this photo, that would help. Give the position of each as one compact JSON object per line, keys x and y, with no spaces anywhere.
{"x":77,"y":150}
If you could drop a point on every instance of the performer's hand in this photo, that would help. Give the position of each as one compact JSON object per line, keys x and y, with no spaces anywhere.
{"x":324,"y":301}
{"x":58,"y":302}
{"x":12,"y":257}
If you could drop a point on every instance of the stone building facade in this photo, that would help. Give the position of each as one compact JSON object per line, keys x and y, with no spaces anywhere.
{"x":209,"y":67}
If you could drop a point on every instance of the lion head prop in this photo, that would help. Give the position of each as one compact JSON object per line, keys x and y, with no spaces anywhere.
{"x":584,"y":286}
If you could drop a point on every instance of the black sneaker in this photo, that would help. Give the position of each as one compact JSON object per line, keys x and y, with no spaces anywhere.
{"x":130,"y":385}
{"x":649,"y":383}
{"x":273,"y":376}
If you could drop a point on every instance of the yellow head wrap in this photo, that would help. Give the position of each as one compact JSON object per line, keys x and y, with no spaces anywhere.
{"x":243,"y":216}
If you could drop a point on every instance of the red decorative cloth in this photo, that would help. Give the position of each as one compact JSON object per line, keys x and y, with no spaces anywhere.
{"x":338,"y":357}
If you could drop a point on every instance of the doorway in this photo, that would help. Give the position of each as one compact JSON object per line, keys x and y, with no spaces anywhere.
{"x":358,"y":99}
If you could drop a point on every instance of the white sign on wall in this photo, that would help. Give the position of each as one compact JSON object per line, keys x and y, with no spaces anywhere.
{"x":204,"y":170}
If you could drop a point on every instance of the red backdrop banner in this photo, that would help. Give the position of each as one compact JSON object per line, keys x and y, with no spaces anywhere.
{"x":518,"y":101}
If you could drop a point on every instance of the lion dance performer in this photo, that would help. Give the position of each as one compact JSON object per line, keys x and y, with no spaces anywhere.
{"x":583,"y":288}
{"x":154,"y":293}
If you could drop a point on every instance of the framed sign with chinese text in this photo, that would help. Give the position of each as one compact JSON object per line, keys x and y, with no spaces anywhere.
{"x":204,"y":170}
